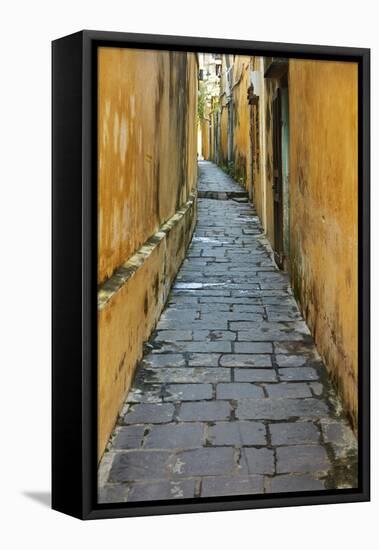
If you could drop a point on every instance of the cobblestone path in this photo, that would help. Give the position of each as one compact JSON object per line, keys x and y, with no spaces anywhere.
{"x":231,"y":396}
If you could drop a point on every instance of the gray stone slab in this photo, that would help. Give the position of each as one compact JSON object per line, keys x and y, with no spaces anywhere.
{"x":273,"y":285}
{"x":295,"y":483}
{"x":231,"y":485}
{"x":297,"y":374}
{"x":245,"y":360}
{"x":281,"y":409}
{"x":237,"y":433}
{"x":220,"y":324}
{"x":253,"y":347}
{"x":204,"y":410}
{"x":204,"y":359}
{"x":140,"y":465}
{"x":183,"y":301}
{"x":214,"y":335}
{"x":163,"y":490}
{"x":289,"y":390}
{"x":302,"y":459}
{"x":210,"y":295}
{"x":259,"y":461}
{"x":155,"y":360}
{"x":294,"y":433}
{"x":283,"y":316}
{"x":188,"y":392}
{"x":214,"y":306}
{"x":154,"y":413}
{"x":205,"y":346}
{"x":254,"y":375}
{"x":229,"y":300}
{"x":173,"y":335}
{"x":128,"y":437}
{"x":233,"y":316}
{"x":112,"y":493}
{"x":238,"y":390}
{"x":250,"y":308}
{"x":204,"y":462}
{"x":291,"y":360}
{"x":175,"y":436}
{"x":179,"y":315}
{"x":247,"y":333}
{"x":183,"y":375}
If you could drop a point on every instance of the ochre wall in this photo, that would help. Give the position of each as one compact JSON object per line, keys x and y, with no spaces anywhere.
{"x":212,"y":128}
{"x":223,"y":158}
{"x":204,"y":126}
{"x":241,"y":121}
{"x":323,"y":211}
{"x":147,"y":142}
{"x":147,"y":146}
{"x":270,"y":86}
{"x":258,"y":157}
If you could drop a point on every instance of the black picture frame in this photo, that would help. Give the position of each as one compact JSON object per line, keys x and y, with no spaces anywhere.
{"x":74,"y":332}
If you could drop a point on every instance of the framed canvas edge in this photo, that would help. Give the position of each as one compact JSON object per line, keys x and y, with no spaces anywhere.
{"x":82,"y":375}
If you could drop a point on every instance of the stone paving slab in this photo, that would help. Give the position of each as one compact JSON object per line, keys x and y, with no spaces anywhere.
{"x":259,"y":461}
{"x":302,"y":459}
{"x":236,"y":433}
{"x":232,"y":485}
{"x":294,"y":483}
{"x":188,"y":392}
{"x":177,"y":436}
{"x":238,"y":390}
{"x":162,"y":490}
{"x":294,"y":433}
{"x":204,"y":410}
{"x":206,"y":461}
{"x":231,"y":397}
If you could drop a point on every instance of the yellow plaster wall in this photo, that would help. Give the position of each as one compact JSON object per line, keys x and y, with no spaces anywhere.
{"x":223,"y":159}
{"x":204,"y":127}
{"x":323,"y":211}
{"x":147,"y":146}
{"x":241,"y":121}
{"x":258,"y":155}
{"x":270,"y":86}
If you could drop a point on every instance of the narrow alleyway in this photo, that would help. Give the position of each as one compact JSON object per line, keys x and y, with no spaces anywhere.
{"x":231,"y":396}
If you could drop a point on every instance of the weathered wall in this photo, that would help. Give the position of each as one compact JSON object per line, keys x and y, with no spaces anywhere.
{"x":223,"y":153}
{"x":204,"y":128}
{"x":258,"y":135}
{"x":147,"y":146}
{"x":241,"y":121}
{"x":212,"y":131}
{"x":224,"y":117}
{"x":323,"y":201}
{"x":147,"y":143}
{"x":270,"y":86}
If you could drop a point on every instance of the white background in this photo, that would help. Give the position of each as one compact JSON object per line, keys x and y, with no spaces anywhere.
{"x":27,"y":29}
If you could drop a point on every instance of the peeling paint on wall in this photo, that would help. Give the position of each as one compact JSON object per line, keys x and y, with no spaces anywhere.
{"x":147,"y":146}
